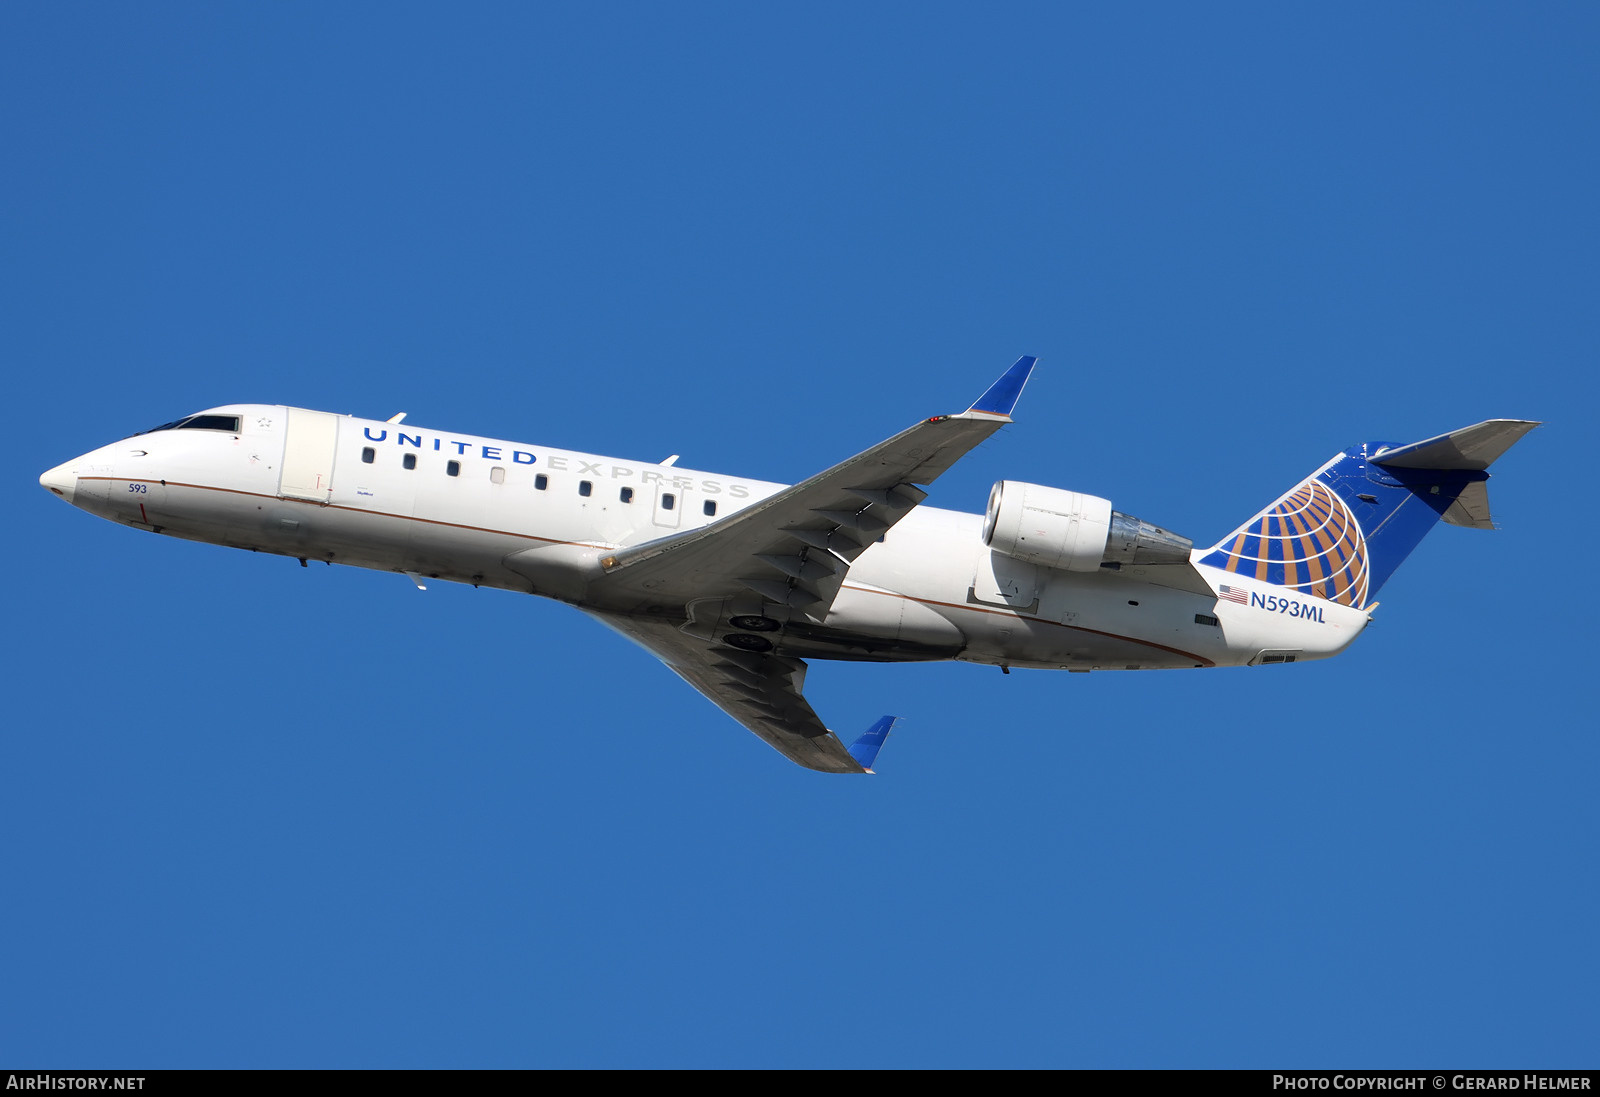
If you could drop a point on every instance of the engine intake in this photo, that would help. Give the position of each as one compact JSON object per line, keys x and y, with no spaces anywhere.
{"x":1073,"y":531}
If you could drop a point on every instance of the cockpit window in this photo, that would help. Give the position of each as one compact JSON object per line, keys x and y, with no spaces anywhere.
{"x":229,"y":423}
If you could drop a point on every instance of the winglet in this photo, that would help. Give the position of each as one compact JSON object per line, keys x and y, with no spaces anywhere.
{"x":865,"y":749}
{"x":1002,"y":395}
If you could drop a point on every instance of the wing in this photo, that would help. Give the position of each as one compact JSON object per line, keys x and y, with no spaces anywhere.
{"x":794,"y":547}
{"x":760,"y":691}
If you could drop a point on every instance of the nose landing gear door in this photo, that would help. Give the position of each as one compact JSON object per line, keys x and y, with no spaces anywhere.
{"x":308,"y":449}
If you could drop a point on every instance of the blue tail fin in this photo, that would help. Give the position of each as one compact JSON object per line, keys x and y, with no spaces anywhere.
{"x":1343,"y":531}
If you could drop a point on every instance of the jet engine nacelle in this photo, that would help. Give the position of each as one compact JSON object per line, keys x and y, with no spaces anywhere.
{"x":1073,"y":531}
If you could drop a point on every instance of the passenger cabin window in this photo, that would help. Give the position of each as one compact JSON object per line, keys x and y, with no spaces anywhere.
{"x":540,"y":482}
{"x":409,"y":460}
{"x":710,"y":508}
{"x":626,"y":495}
{"x":668,"y":501}
{"x":453,"y":468}
{"x":368,"y":455}
{"x":229,"y":423}
{"x":585,"y":487}
{"x":497,"y":475}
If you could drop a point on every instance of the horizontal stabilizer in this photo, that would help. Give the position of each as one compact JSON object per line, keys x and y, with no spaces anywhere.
{"x":1470,"y":449}
{"x":865,"y":749}
{"x":1475,"y":447}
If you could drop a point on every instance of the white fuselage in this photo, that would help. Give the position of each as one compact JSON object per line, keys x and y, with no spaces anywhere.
{"x":343,"y":493}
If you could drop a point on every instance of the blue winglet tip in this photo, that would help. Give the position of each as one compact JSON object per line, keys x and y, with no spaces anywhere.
{"x":1003,"y":394}
{"x":865,"y":749}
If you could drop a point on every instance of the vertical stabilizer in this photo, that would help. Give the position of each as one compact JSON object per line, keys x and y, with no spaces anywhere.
{"x":1341,"y":532}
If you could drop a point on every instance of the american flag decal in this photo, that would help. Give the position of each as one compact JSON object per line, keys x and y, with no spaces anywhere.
{"x":1233,"y":594}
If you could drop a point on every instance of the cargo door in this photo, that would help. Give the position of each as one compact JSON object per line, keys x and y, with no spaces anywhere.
{"x":1003,"y":580}
{"x":308,"y":450}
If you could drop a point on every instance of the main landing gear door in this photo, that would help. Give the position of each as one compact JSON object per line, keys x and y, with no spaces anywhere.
{"x":308,"y":448}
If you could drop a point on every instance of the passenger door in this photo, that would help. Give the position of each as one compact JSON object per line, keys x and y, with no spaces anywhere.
{"x":310,"y":439}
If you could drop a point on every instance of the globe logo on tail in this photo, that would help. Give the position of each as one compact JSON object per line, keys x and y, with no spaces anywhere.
{"x":1308,"y":541}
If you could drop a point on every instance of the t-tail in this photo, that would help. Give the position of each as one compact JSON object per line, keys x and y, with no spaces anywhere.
{"x":1343,"y":531}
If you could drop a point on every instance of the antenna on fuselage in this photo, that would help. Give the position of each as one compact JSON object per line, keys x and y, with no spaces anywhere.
{"x":397,"y":417}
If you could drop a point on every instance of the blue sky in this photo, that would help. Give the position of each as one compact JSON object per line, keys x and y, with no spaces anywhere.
{"x":259,"y":815}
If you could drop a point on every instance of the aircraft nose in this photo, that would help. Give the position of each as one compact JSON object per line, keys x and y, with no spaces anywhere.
{"x":63,"y":480}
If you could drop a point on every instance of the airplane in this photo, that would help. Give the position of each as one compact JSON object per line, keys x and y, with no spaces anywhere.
{"x":736,"y":583}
